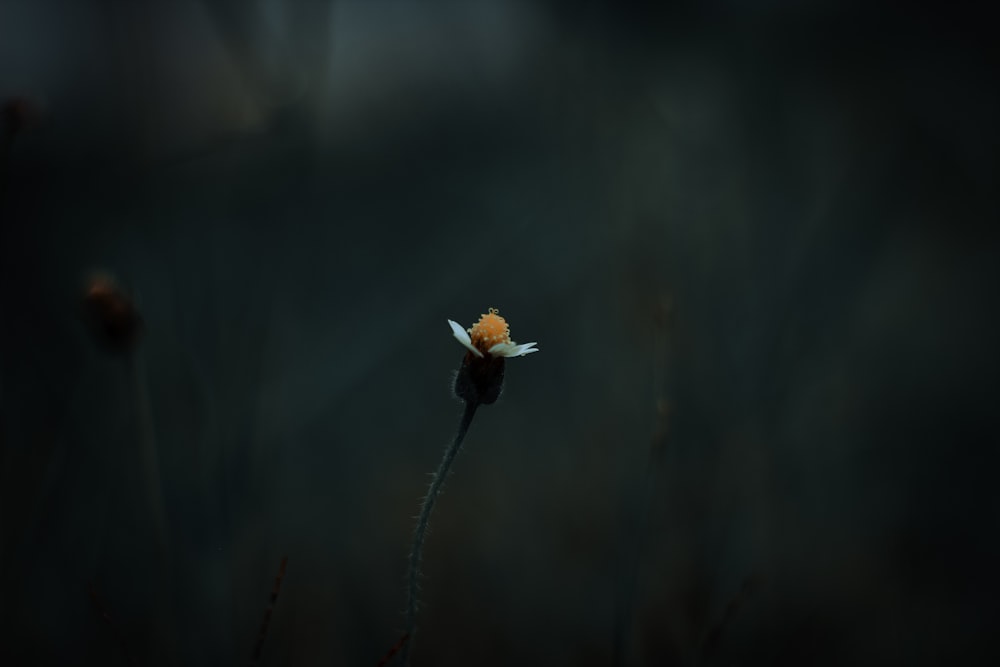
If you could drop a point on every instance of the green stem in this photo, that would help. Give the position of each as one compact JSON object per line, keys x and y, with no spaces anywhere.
{"x":416,"y":552}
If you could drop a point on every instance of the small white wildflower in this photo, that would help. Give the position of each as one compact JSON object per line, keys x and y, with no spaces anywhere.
{"x":490,"y":335}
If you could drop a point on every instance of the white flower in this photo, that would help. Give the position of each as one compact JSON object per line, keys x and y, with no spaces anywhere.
{"x":490,"y":335}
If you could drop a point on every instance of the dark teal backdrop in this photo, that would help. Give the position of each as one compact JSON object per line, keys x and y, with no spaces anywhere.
{"x":756,"y":245}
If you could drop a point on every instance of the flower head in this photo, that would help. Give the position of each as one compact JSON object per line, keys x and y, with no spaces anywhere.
{"x":490,"y":336}
{"x":111,"y":314}
{"x":480,"y":379}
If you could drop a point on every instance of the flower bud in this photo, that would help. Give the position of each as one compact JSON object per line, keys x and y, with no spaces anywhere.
{"x":111,"y":315}
{"x":480,"y":379}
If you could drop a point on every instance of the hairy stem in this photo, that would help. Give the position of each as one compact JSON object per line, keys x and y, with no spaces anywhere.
{"x":262,"y":633}
{"x":426,"y":508}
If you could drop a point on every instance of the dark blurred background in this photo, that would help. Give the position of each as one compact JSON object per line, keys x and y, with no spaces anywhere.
{"x":756,"y":244}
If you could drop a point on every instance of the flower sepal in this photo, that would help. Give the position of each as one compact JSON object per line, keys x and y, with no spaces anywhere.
{"x":480,"y":379}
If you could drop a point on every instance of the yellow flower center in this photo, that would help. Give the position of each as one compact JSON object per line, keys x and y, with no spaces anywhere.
{"x":489,"y":330}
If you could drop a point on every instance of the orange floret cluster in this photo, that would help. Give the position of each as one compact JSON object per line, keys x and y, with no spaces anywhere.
{"x":489,"y":330}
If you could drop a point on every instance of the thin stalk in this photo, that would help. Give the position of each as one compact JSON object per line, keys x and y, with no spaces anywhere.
{"x":262,"y":633}
{"x":628,"y":588}
{"x":165,"y":637}
{"x":148,"y":452}
{"x":102,"y":610}
{"x":624,"y":616}
{"x":416,"y":552}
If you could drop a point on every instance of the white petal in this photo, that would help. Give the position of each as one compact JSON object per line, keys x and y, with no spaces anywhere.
{"x":512,"y":350}
{"x":462,"y":336}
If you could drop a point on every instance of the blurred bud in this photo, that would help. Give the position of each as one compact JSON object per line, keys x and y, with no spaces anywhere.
{"x":111,"y":315}
{"x":19,"y":114}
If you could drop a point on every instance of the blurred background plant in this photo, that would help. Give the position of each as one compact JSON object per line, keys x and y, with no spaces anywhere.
{"x":302,"y":192}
